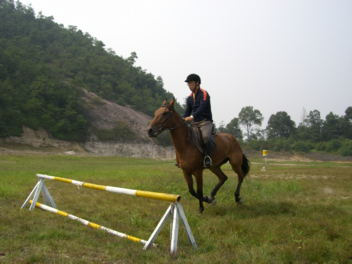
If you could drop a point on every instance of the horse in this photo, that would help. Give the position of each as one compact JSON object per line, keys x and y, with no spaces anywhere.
{"x":190,"y":159}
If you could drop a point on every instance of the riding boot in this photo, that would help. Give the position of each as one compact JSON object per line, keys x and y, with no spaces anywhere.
{"x":208,"y":150}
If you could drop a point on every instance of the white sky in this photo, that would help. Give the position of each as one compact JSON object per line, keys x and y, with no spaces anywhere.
{"x":278,"y":55}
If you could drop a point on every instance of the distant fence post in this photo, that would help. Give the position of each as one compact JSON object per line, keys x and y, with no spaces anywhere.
{"x":265,"y":154}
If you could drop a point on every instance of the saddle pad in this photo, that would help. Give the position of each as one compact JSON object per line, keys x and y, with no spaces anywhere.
{"x":197,"y":139}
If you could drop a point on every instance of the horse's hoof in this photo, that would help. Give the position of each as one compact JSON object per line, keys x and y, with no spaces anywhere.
{"x":208,"y":199}
{"x":213,"y":202}
{"x":201,"y":210}
{"x":239,"y":201}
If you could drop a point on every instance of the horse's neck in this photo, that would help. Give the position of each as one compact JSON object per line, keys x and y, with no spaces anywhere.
{"x":179,"y":135}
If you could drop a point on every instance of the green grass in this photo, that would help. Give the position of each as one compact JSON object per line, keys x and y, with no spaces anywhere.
{"x":295,"y":212}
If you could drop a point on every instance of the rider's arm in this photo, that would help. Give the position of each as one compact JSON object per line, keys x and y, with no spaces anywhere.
{"x":188,"y":110}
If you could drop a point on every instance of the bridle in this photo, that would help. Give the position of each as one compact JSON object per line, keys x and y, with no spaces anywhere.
{"x":162,"y":128}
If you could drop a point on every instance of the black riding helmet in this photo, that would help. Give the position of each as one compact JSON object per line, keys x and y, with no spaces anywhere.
{"x":193,"y":77}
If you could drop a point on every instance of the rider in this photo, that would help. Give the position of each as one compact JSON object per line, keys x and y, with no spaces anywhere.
{"x":199,"y":103}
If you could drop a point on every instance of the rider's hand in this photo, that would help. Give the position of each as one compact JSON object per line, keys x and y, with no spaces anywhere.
{"x":189,"y":119}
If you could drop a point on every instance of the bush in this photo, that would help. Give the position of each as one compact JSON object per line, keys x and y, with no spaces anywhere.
{"x":301,"y":146}
{"x":310,"y":145}
{"x":287,"y":145}
{"x":121,"y":131}
{"x":333,"y":145}
{"x":264,"y":144}
{"x":254,"y":144}
{"x":346,"y":149}
{"x":242,"y":143}
{"x":279,"y":145}
{"x":96,"y":100}
{"x":320,"y":146}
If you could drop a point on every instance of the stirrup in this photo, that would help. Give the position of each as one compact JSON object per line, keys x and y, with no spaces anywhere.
{"x":210,"y":162}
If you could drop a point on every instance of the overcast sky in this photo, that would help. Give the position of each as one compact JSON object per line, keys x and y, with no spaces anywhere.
{"x":277,"y":55}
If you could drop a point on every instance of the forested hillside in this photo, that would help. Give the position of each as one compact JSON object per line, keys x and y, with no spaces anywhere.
{"x":44,"y":65}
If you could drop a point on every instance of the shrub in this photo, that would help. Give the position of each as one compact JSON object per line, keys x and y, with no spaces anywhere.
{"x":264,"y":144}
{"x":333,"y":145}
{"x":320,"y":146}
{"x":310,"y":145}
{"x":346,"y":149}
{"x":96,"y":100}
{"x":279,"y":145}
{"x":254,"y":144}
{"x":121,"y":131}
{"x":287,"y":145}
{"x":242,"y":143}
{"x":301,"y":146}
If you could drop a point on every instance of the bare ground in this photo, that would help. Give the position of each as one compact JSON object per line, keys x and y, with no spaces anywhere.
{"x":102,"y":114}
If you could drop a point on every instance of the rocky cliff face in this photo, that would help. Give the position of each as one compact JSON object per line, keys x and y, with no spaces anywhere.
{"x":102,"y":114}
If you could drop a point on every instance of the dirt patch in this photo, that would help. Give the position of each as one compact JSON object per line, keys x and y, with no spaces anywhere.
{"x":101,"y":114}
{"x":104,"y":114}
{"x":298,"y":157}
{"x":290,"y":176}
{"x":38,"y":139}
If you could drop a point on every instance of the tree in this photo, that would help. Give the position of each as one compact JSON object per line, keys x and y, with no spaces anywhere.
{"x":250,"y":119}
{"x":346,"y":123}
{"x":222,"y":127}
{"x":44,"y":65}
{"x":234,"y":129}
{"x":132,"y":59}
{"x":348,"y":113}
{"x":280,"y":125}
{"x":331,"y":127}
{"x":315,"y":124}
{"x":311,"y":128}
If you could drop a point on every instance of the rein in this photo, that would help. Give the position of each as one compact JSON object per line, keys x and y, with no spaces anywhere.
{"x":162,"y":128}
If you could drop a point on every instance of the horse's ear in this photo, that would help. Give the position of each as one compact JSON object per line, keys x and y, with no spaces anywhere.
{"x":171,"y":104}
{"x":165,"y":101}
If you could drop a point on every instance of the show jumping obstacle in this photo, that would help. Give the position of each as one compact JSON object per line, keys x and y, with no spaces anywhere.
{"x":175,"y":210}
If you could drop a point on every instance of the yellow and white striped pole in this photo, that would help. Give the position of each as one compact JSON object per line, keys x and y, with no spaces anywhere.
{"x":87,"y":223}
{"x":145,"y":194}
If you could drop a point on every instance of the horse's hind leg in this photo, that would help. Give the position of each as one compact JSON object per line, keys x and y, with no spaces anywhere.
{"x":236,"y":167}
{"x":237,"y":192}
{"x":222,"y":178}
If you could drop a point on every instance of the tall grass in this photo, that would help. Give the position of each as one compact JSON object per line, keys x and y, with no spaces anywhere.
{"x":293,"y":213}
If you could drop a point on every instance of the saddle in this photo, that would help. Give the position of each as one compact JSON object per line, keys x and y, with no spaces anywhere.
{"x":197,"y":138}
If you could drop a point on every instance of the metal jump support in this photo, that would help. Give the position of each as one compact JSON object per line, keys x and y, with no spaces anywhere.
{"x":175,"y":210}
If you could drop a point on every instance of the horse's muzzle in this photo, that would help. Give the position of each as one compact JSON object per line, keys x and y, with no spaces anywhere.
{"x":151,"y":133}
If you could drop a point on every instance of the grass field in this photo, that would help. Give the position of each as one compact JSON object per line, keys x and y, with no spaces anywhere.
{"x":295,"y":212}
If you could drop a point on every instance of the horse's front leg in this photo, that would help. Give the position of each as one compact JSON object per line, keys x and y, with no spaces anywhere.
{"x":189,"y":180}
{"x":199,"y":180}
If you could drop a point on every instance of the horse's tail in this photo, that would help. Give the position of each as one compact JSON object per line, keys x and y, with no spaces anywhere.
{"x":245,"y":165}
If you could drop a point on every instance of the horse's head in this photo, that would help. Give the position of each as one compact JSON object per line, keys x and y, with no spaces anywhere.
{"x":163,"y":119}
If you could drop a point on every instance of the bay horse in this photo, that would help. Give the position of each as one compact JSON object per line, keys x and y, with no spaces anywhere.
{"x":189,"y":158}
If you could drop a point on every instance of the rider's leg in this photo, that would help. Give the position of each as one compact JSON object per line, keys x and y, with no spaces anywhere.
{"x":206,"y":128}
